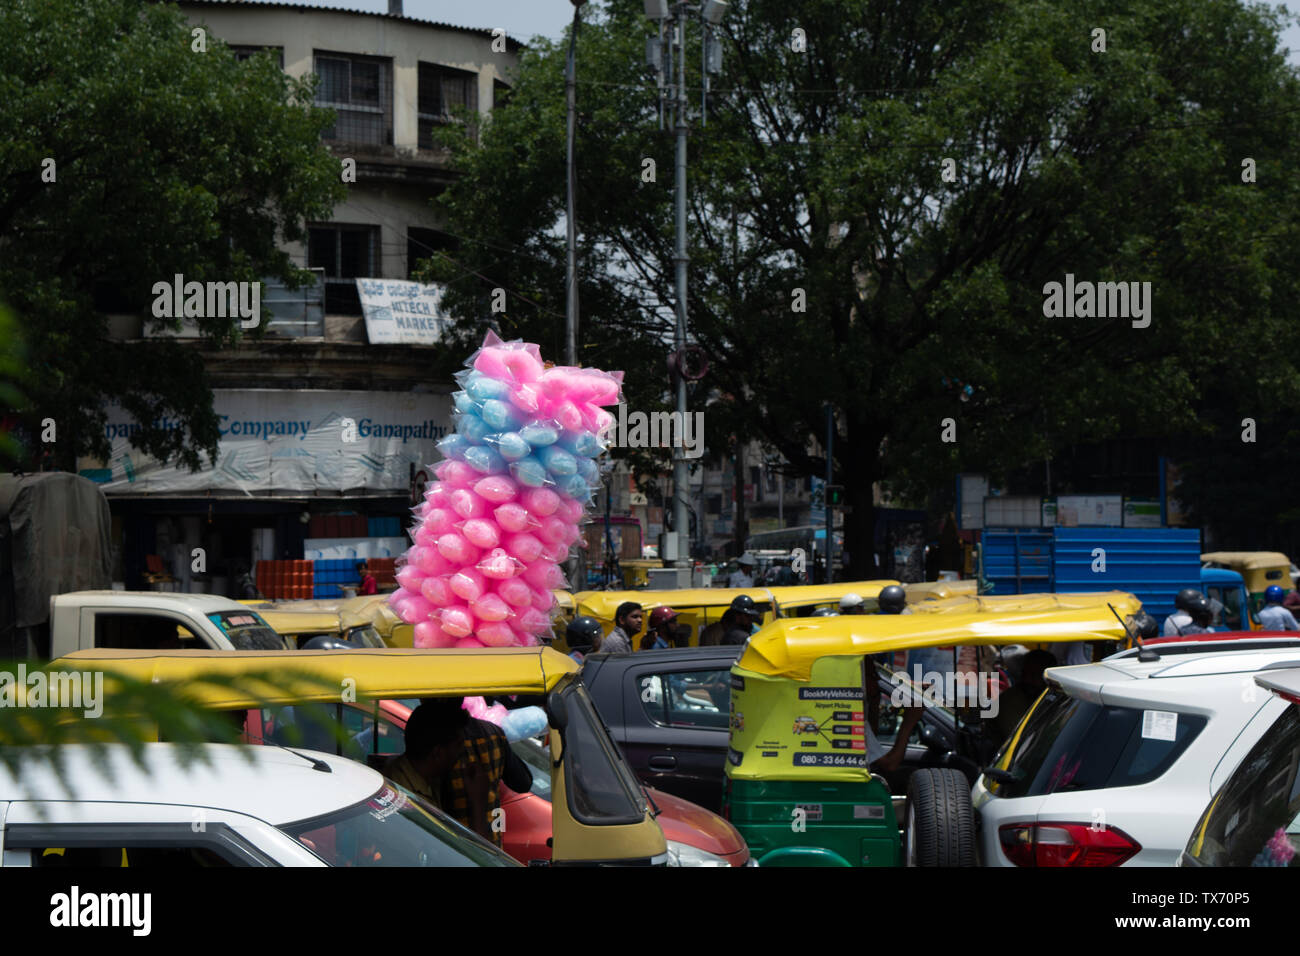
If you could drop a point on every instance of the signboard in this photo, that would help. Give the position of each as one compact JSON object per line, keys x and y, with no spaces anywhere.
{"x":276,"y":442}
{"x":1078,"y":511}
{"x":336,"y":549}
{"x":791,"y":730}
{"x":398,"y":312}
{"x":1141,"y":513}
{"x":1049,"y":512}
{"x":817,"y":509}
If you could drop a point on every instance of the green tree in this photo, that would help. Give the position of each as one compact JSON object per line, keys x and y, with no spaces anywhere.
{"x":165,"y":160}
{"x":913,"y":175}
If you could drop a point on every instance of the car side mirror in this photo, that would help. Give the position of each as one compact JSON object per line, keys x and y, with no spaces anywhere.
{"x":930,"y":737}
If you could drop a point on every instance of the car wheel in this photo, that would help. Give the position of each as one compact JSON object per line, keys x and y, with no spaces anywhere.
{"x":940,"y":821}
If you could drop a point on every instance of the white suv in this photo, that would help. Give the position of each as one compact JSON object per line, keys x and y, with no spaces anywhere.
{"x":1115,"y":762}
{"x":248,"y":806}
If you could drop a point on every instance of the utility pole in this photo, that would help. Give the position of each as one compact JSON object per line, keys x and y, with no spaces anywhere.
{"x":830,"y":511}
{"x":571,"y":265}
{"x":662,"y":56}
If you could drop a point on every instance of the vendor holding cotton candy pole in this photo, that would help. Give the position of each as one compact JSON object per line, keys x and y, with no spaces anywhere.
{"x":508,"y":500}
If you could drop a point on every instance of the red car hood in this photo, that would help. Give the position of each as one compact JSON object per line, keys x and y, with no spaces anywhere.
{"x":691,"y":824}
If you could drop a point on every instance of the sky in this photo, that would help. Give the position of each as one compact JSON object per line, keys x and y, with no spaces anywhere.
{"x":523,"y":19}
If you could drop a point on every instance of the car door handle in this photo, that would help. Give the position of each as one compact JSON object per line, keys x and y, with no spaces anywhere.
{"x":663,"y":763}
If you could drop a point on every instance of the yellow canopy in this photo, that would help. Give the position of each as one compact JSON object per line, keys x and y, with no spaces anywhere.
{"x":307,"y":676}
{"x":602,"y":604}
{"x":788,"y":647}
{"x":1122,"y":601}
{"x":803,"y":594}
{"x":1250,"y":560}
{"x":940,"y":590}
{"x":301,"y":622}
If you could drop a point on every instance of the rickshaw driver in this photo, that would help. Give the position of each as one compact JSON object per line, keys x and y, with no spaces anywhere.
{"x":877,"y":760}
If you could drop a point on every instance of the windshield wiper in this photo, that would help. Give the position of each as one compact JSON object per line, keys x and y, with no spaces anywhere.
{"x":653,"y":806}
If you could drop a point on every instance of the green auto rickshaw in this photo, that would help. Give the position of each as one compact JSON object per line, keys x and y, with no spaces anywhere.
{"x":805,"y":798}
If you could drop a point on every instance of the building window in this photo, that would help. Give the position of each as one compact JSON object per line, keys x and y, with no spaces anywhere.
{"x":442,"y":90}
{"x":244,"y":52}
{"x":422,"y":244}
{"x":345,"y":252}
{"x":500,"y":93}
{"x":360,"y":90}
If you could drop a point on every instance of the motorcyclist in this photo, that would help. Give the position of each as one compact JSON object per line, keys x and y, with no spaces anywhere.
{"x":1178,"y":622}
{"x":852,"y":604}
{"x":891,"y":600}
{"x":583,"y":636}
{"x":1274,"y":616}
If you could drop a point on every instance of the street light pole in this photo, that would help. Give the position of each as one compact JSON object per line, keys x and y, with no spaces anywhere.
{"x":571,"y":266}
{"x":711,"y":13}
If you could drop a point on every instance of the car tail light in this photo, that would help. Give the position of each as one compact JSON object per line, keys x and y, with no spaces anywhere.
{"x":1065,"y":844}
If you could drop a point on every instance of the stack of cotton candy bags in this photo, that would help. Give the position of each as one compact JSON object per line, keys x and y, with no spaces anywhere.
{"x":517,"y":474}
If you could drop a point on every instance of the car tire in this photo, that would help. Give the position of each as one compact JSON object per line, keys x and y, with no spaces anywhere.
{"x":940,"y":820}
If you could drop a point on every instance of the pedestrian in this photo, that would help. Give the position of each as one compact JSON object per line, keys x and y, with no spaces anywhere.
{"x":739,"y":620}
{"x":368,"y":583}
{"x":1292,"y":602}
{"x":583,"y":637}
{"x":1273,"y":615}
{"x":432,"y":747}
{"x":1177,"y":622}
{"x":661,"y":632}
{"x":743,"y":577}
{"x":628,"y":618}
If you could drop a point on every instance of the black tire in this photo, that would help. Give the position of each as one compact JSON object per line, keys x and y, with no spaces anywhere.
{"x":940,"y":820}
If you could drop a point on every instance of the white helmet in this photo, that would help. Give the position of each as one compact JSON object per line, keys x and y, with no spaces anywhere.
{"x":850,"y":600}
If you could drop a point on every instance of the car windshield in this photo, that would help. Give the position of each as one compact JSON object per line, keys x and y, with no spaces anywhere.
{"x":247,"y":631}
{"x":394,"y":828}
{"x":366,"y":636}
{"x":1255,"y":820}
{"x":1071,"y":744}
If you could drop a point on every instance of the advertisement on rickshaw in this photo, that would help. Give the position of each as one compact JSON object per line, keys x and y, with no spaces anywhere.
{"x":785,"y":730}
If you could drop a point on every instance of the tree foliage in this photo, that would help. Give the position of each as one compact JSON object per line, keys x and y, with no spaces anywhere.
{"x":166,"y":161}
{"x":821,"y":176}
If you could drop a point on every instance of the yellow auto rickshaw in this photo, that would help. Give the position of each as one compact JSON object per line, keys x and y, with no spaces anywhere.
{"x":801,"y":600}
{"x":1259,"y":570}
{"x":599,"y":811}
{"x":696,"y":607}
{"x":803,"y":799}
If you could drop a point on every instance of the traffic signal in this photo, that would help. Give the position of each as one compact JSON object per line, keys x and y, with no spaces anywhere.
{"x":834,"y":496}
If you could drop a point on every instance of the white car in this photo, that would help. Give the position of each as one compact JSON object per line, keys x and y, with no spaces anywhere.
{"x":1115,"y":762}
{"x":248,"y":806}
{"x":1255,"y":819}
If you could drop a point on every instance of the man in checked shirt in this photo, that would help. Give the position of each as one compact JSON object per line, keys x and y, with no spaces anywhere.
{"x":471,"y":790}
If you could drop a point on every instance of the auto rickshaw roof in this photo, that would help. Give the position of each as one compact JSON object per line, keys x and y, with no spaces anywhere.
{"x":603,"y":604}
{"x":308,"y":676}
{"x":940,"y":590}
{"x":1122,"y":601}
{"x":799,"y":594}
{"x":787,"y":647}
{"x":1251,"y":560}
{"x":300,"y":622}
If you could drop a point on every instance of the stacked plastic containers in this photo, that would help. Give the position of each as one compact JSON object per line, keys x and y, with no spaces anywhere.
{"x":508,"y":501}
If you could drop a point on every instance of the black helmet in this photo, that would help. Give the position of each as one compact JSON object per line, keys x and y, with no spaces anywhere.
{"x":823,"y":612}
{"x":1200,"y":609}
{"x":323,"y":642}
{"x":582,"y":633}
{"x":744,"y":604}
{"x":1184,"y":598}
{"x":892,"y":600}
{"x":1145,"y":626}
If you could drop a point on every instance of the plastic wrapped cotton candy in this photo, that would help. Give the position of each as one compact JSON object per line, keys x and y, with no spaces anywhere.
{"x":508,"y":500}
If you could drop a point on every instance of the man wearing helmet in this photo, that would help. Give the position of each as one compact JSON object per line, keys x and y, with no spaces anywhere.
{"x":659,"y":634}
{"x":583,"y":637}
{"x":852,"y":604}
{"x":738,"y":620}
{"x":1273,"y":615}
{"x":891,"y":600}
{"x":1178,"y":622}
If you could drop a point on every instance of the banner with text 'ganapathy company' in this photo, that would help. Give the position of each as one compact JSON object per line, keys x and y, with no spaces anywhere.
{"x":284,"y":442}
